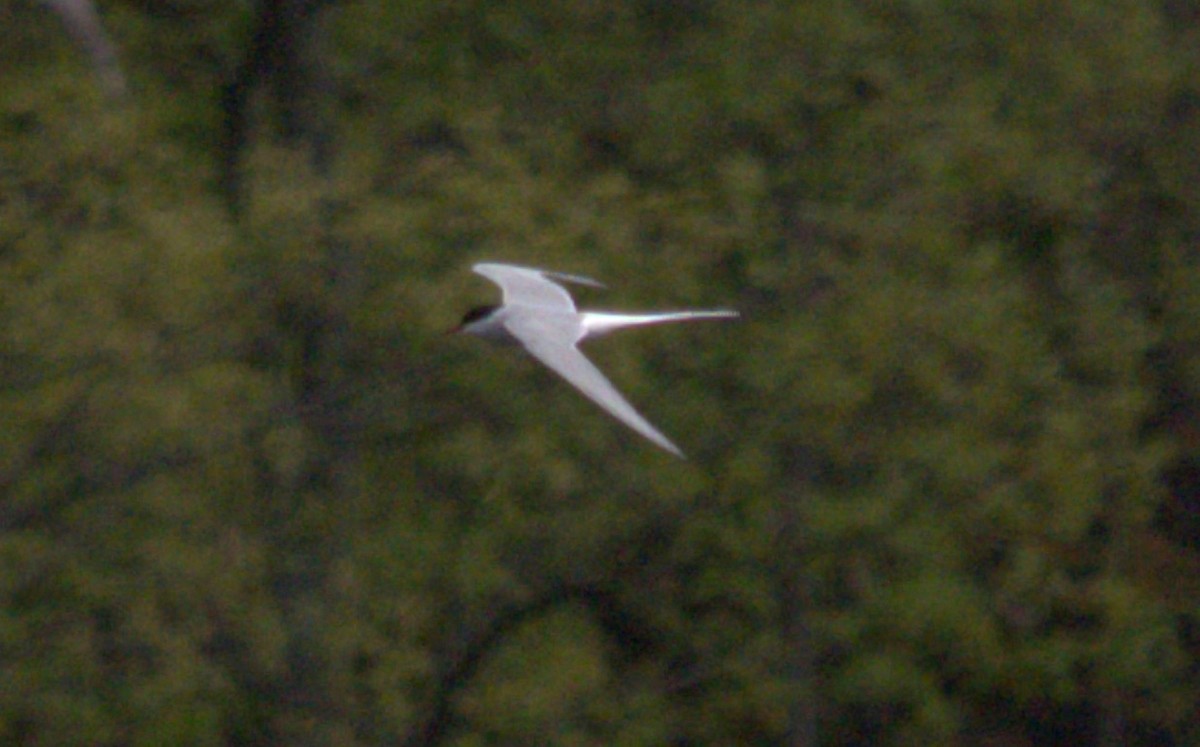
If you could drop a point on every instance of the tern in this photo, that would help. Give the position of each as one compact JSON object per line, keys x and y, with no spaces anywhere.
{"x":539,"y":314}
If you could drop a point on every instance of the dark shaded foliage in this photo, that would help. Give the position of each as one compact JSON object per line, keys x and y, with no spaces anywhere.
{"x":943,"y":486}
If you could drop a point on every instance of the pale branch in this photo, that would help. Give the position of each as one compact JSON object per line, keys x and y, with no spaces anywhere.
{"x":83,"y":24}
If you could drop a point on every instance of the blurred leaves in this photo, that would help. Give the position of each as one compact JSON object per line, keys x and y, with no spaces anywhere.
{"x":938,"y":488}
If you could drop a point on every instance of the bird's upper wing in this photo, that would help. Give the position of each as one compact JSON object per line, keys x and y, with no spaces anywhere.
{"x":554,"y":345}
{"x":529,"y":286}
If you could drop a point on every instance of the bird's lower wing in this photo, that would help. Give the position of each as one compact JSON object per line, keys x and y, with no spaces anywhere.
{"x":571,"y":364}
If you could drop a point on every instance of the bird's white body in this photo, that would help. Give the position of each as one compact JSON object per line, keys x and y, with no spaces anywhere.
{"x":539,"y":315}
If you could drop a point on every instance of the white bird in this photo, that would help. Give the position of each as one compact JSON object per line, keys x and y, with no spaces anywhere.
{"x":539,"y":315}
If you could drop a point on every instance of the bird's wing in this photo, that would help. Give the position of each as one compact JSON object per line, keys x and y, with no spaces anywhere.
{"x":529,"y":286}
{"x":554,"y":346}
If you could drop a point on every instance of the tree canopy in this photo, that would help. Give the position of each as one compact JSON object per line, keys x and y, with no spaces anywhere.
{"x":944,"y":474}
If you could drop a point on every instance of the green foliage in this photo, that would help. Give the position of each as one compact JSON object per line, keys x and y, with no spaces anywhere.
{"x":249,"y":494}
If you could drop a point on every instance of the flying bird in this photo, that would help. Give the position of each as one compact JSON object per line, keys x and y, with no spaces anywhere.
{"x":539,"y":315}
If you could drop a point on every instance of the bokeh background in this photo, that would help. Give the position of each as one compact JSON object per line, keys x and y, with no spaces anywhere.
{"x":944,"y":475}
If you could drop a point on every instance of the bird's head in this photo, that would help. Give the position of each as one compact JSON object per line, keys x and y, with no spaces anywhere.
{"x":472,"y":317}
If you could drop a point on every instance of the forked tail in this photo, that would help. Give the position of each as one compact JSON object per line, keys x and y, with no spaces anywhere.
{"x":600,"y":322}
